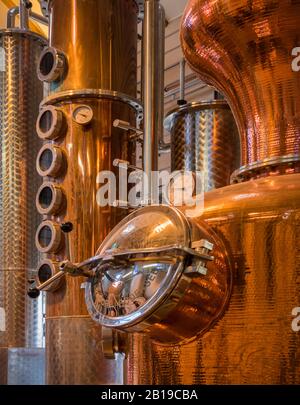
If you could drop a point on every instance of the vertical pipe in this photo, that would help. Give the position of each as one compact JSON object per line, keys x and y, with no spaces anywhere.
{"x":163,"y":147}
{"x":24,"y":15}
{"x":181,"y":100}
{"x":11,"y":17}
{"x":151,"y":92}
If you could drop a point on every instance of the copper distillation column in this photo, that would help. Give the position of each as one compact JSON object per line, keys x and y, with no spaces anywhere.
{"x":91,"y":67}
{"x":21,"y":334}
{"x":247,"y":50}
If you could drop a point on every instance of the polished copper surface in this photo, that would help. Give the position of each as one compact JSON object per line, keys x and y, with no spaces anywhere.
{"x":197,"y":301}
{"x":204,"y":137}
{"x":88,"y":151}
{"x":253,"y":343}
{"x":99,"y":40}
{"x":245,"y":50}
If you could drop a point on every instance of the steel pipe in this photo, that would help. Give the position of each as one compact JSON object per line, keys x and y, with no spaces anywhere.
{"x":24,"y":14}
{"x":182,"y":82}
{"x":151,"y":89}
{"x":38,"y":18}
{"x":11,"y":17}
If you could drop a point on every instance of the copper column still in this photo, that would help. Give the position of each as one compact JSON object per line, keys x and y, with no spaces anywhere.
{"x":91,"y":67}
{"x":246,"y":50}
{"x":20,"y":94}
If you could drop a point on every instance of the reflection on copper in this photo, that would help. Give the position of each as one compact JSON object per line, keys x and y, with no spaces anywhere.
{"x":245,"y":50}
{"x":99,"y":39}
{"x":253,"y":343}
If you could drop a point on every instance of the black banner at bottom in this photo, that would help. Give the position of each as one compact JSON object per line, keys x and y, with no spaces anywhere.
{"x":136,"y":394}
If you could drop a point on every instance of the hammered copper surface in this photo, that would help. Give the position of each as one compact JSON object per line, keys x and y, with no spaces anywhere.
{"x":20,"y":95}
{"x":204,"y":137}
{"x":244,"y":48}
{"x":253,"y":343}
{"x":75,"y":353}
{"x":196,"y":302}
{"x":99,"y":39}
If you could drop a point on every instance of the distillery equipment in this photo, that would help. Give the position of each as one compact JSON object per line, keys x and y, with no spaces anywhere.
{"x":204,"y":138}
{"x":21,"y":334}
{"x":246,"y":51}
{"x":89,"y":45}
{"x":190,"y":295}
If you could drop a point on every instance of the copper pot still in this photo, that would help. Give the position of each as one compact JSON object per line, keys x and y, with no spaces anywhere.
{"x":247,"y":51}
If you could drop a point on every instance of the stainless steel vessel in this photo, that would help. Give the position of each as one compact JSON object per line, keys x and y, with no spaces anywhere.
{"x":204,"y":138}
{"x":20,"y":95}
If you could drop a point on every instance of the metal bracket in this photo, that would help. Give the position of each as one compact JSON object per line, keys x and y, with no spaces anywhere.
{"x":171,"y":253}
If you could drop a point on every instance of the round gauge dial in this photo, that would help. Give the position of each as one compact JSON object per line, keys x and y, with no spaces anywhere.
{"x":117,"y":292}
{"x":83,"y":114}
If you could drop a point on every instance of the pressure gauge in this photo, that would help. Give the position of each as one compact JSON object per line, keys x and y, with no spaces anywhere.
{"x":158,"y":273}
{"x":83,"y":114}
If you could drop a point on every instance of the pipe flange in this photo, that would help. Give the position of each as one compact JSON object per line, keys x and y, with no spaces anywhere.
{"x":51,"y":123}
{"x":69,"y":95}
{"x":249,"y":171}
{"x":48,"y":237}
{"x":49,"y":199}
{"x":47,"y":269}
{"x":52,"y":65}
{"x":50,"y":161}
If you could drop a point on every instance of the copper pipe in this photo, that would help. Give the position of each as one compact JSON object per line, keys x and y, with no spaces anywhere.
{"x":245,"y":51}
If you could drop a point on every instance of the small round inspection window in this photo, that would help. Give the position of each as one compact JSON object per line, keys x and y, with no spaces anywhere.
{"x":50,"y":161}
{"x":52,"y":65}
{"x":51,"y":123}
{"x":47,"y":269}
{"x":44,"y":272}
{"x":49,"y":199}
{"x":48,"y":237}
{"x":46,"y":63}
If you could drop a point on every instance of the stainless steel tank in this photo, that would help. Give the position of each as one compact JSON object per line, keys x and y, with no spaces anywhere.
{"x":20,"y":95}
{"x":204,"y":137}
